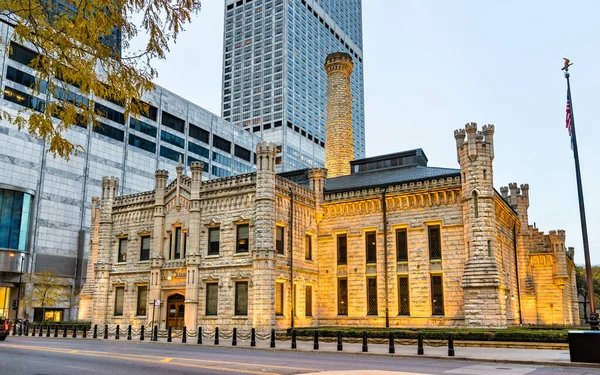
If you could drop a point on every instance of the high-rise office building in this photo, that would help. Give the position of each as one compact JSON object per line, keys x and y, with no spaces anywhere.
{"x":274,"y":84}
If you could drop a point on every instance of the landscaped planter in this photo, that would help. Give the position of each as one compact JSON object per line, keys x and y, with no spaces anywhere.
{"x":584,"y":346}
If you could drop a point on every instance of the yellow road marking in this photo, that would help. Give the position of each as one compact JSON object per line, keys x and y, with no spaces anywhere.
{"x":138,"y":358}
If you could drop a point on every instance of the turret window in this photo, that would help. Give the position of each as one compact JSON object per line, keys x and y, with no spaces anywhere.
{"x":475,"y":204}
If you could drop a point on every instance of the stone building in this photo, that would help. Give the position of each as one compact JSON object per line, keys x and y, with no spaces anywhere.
{"x":386,"y":240}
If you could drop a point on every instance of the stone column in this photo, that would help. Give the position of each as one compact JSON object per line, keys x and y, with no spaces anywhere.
{"x":339,"y":141}
{"x":157,"y":259}
{"x":317,"y":177}
{"x":193,"y":256}
{"x":263,"y":254}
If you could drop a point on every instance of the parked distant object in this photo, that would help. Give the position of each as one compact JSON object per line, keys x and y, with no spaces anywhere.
{"x":4,"y":329}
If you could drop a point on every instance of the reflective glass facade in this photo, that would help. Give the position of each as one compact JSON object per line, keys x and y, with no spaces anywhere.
{"x":15,"y":209}
{"x":274,"y":83}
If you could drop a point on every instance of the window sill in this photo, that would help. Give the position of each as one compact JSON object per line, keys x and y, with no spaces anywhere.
{"x":121,"y":263}
{"x":211,"y":317}
{"x":241,"y":254}
{"x":212,"y":256}
{"x":140,"y":316}
{"x":435,"y":261}
{"x":143,"y":261}
{"x":239,"y":317}
{"x":402,"y":261}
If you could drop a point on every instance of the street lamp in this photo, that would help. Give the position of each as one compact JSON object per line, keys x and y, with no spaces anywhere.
{"x":19,"y":290}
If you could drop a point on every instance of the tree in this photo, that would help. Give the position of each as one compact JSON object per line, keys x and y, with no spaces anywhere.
{"x":582,"y":285}
{"x":48,"y":289}
{"x":75,"y":42}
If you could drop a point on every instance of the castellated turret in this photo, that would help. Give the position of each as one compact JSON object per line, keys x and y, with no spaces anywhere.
{"x":339,"y":141}
{"x":481,"y":280}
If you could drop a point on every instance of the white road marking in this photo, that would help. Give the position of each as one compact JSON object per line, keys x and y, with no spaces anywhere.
{"x":493,"y":369}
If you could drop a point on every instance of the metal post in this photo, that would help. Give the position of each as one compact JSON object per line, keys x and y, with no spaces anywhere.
{"x":155,"y":334}
{"x":84,"y":333}
{"x":340,"y":346}
{"x":14,"y":329}
{"x":129,"y":332}
{"x":451,"y":344}
{"x":106,"y":332}
{"x":184,"y":335}
{"x":19,"y":290}
{"x":20,"y":329}
{"x":75,"y":331}
{"x":199,"y":335}
{"x":118,"y":331}
{"x":56,"y":330}
{"x":48,"y":330}
{"x":316,"y":340}
{"x":391,"y":343}
{"x":253,"y":337}
{"x":293,"y":338}
{"x":586,"y":246}
{"x":272,"y":337}
{"x":420,"y":343}
{"x":217,"y":336}
{"x":169,"y":339}
{"x":142,"y":332}
{"x":64,"y":330}
{"x":95,"y":336}
{"x":365,"y":344}
{"x":33,"y":333}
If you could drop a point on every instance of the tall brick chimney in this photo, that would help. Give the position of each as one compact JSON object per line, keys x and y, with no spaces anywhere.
{"x":339,"y":143}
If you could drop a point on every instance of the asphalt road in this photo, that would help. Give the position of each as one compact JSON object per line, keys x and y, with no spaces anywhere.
{"x":33,"y":356}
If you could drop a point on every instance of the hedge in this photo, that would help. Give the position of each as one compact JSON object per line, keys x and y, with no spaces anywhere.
{"x":515,"y":335}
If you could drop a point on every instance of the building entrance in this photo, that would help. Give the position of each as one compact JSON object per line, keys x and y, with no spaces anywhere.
{"x":176,"y":311}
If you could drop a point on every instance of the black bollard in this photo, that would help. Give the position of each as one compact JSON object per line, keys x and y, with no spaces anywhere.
{"x":420,"y":343}
{"x":184,"y":335}
{"x":84,"y":333}
{"x":217,"y":336}
{"x":75,"y":331}
{"x":199,"y":335}
{"x":20,"y":329}
{"x":129,"y":332}
{"x":253,"y":337}
{"x":169,"y":339}
{"x":234,"y":337}
{"x":293,"y":338}
{"x":64,"y":330}
{"x":41,"y":331}
{"x":340,"y":346}
{"x":142,"y":332}
{"x":365,"y":344}
{"x":14,"y":329}
{"x":118,"y":332}
{"x":155,"y":334}
{"x":272,"y":337}
{"x":106,"y":332}
{"x":451,"y":344}
{"x":392,"y":347}
{"x":48,"y":330}
{"x":56,"y":330}
{"x":33,"y":333}
{"x":316,"y":340}
{"x":95,"y":335}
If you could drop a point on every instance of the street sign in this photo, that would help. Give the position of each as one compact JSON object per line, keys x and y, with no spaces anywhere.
{"x":156,"y":302}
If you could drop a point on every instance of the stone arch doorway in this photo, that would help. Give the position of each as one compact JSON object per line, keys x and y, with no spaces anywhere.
{"x":176,"y":311}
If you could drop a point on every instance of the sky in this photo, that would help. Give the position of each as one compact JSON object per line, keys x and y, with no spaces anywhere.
{"x":432,"y":66}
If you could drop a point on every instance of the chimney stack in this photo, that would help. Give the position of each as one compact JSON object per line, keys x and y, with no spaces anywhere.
{"x":339,"y":142}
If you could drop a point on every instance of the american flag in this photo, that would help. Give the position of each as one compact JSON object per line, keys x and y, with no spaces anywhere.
{"x":568,"y":119}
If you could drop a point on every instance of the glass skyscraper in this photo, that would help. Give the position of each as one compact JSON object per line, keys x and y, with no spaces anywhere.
{"x":274,"y":83}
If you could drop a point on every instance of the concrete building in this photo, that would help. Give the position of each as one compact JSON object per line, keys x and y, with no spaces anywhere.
{"x":386,"y":240}
{"x":273,"y":79}
{"x":45,"y":202}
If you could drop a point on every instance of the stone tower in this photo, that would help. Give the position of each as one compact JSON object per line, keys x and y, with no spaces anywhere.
{"x":157,"y":258}
{"x":484,"y":303}
{"x":263,"y":255}
{"x":192,"y":258}
{"x":339,"y":142}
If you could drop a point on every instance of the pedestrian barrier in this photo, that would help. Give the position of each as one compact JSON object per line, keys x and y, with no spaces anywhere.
{"x":235,"y":336}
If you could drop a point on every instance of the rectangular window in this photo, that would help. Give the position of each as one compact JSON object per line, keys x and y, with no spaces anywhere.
{"x":343,"y":297}
{"x":145,"y":248}
{"x":24,"y":99}
{"x":371,"y":246}
{"x":119,"y":298}
{"x":148,"y":110}
{"x":21,"y":54}
{"x":401,"y":245}
{"x":142,"y":143}
{"x":199,"y":133}
{"x":173,"y":122}
{"x":242,"y":238}
{"x":109,"y":131}
{"x":170,"y":154}
{"x":143,"y":127}
{"x":214,"y":235}
{"x":241,"y":298}
{"x":142,"y":299}
{"x":197,"y":149}
{"x":342,"y":245}
{"x":279,"y":299}
{"x":308,"y":301}
{"x":109,"y":113}
{"x":279,"y":239}
{"x":242,"y":153}
{"x":24,"y":79}
{"x":403,"y":296}
{"x":212,"y":298}
{"x":372,"y":296}
{"x":437,"y":295}
{"x":308,"y":248}
{"x":222,"y":144}
{"x":177,"y":242}
{"x":172,"y":139}
{"x":122,"y":255}
{"x":435,"y":246}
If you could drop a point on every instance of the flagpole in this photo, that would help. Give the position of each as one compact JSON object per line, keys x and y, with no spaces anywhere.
{"x":586,"y":247}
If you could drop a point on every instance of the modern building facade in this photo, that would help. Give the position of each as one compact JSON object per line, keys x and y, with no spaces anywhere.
{"x":273,"y":79}
{"x":45,"y":202}
{"x":387,"y":240}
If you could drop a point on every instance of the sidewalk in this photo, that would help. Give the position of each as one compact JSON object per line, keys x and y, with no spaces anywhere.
{"x":488,"y":354}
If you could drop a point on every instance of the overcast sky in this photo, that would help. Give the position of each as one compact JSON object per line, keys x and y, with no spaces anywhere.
{"x":432,"y":66}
